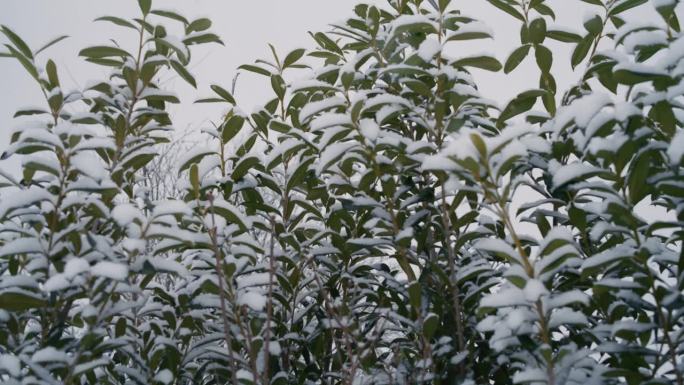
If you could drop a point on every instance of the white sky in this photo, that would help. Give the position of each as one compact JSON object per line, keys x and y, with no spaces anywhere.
{"x":246,"y":27}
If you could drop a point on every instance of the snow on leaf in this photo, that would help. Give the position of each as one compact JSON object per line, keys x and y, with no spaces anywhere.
{"x":112,"y":270}
{"x":252,"y":299}
{"x":573,"y":172}
{"x":50,"y":354}
{"x":11,"y":364}
{"x":314,"y":108}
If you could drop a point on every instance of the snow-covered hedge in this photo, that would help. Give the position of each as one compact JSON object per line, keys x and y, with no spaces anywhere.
{"x":381,"y":222}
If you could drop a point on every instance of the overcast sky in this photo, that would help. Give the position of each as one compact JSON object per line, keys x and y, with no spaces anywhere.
{"x":246,"y":27}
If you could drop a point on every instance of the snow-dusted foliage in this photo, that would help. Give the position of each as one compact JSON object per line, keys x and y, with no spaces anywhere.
{"x":377,"y":222}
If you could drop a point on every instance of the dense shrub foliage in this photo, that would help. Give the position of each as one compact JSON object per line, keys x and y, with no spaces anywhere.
{"x":381,"y":222}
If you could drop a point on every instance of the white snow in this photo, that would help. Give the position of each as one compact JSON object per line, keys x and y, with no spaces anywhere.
{"x":369,"y":129}
{"x":511,"y":296}
{"x":244,"y":374}
{"x":311,"y":84}
{"x":573,"y":171}
{"x":11,"y":364}
{"x":21,"y":246}
{"x":50,"y":354}
{"x":438,"y":162}
{"x":554,"y":234}
{"x":254,"y":300}
{"x":497,"y":246}
{"x":607,"y":256}
{"x":407,"y":20}
{"x":90,"y":165}
{"x":644,"y":38}
{"x":55,"y":283}
{"x":124,"y":214}
{"x":331,"y":153}
{"x":274,"y":348}
{"x":474,"y":27}
{"x":663,"y":3}
{"x":24,"y":198}
{"x":115,"y":271}
{"x":386,"y":99}
{"x":429,"y":48}
{"x":329,"y":120}
{"x":322,"y":105}
{"x":75,"y":266}
{"x":18,"y":280}
{"x":530,"y":376}
{"x":676,"y":149}
{"x":171,"y":207}
{"x":567,"y":316}
{"x":195,"y":152}
{"x":581,"y":110}
{"x":567,"y":298}
{"x":177,"y":44}
{"x":164,"y":376}
{"x":534,"y":289}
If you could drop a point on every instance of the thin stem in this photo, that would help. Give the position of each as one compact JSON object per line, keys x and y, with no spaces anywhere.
{"x":222,"y":291}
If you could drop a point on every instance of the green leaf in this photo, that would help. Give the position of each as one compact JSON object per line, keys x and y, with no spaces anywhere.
{"x":51,"y":70}
{"x":430,"y":325}
{"x":231,"y":128}
{"x":183,"y":73}
{"x":210,"y":100}
{"x":28,"y":112}
{"x":544,"y":58}
{"x":202,"y":39}
{"x":537,"y":31}
{"x":117,"y":20}
{"x":624,"y":6}
{"x":544,"y":9}
{"x":50,"y":44}
{"x":509,"y":9}
{"x":162,"y":97}
{"x":24,"y":61}
{"x":199,"y":25}
{"x":468,"y":35}
{"x":298,"y":175}
{"x":594,"y":25}
{"x":279,"y":126}
{"x":103,"y":51}
{"x":638,"y":186}
{"x":194,"y":178}
{"x":243,"y":166}
{"x":632,"y":76}
{"x":563,"y":36}
{"x":19,"y":301}
{"x":230,"y":213}
{"x":171,"y":15}
{"x":145,"y":6}
{"x":255,"y":69}
{"x":278,"y":85}
{"x":120,"y":328}
{"x":414,"y":294}
{"x":484,"y":62}
{"x":292,"y":57}
{"x":18,"y":43}
{"x":479,"y":145}
{"x":516,"y":57}
{"x":324,"y":41}
{"x":581,"y":50}
{"x":194,"y":160}
{"x":521,"y":103}
{"x":181,"y":51}
{"x":662,"y":113}
{"x":225,"y":95}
